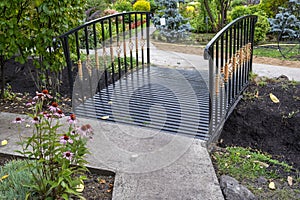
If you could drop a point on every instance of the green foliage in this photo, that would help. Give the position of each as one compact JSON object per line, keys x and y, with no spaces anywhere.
{"x":270,"y":7}
{"x":8,"y":93}
{"x":58,"y":152}
{"x":142,"y":5}
{"x":17,"y":177}
{"x":239,"y":11}
{"x":123,"y":5}
{"x":30,"y":28}
{"x":262,"y":25}
{"x":235,"y":3}
{"x":14,"y":32}
{"x":244,"y":163}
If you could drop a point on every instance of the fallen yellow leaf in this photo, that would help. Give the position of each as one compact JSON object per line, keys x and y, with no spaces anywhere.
{"x":274,"y":98}
{"x":4,"y":142}
{"x":105,"y":117}
{"x":80,"y":187}
{"x":272,"y":185}
{"x":4,"y":177}
{"x":290,"y":180}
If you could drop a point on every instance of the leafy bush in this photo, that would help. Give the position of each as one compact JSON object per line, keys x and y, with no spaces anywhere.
{"x":123,"y":5}
{"x":270,"y":7}
{"x":15,"y":176}
{"x":235,"y":3}
{"x":262,"y":26}
{"x":239,"y":11}
{"x":142,"y":5}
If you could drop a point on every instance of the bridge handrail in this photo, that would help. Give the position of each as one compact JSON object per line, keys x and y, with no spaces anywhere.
{"x":87,"y":39}
{"x":230,"y":61}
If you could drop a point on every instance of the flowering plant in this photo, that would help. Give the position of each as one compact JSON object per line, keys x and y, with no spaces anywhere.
{"x":59,"y":154}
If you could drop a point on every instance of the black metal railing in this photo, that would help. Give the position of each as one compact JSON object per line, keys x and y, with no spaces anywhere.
{"x":230,"y":61}
{"x":106,"y":48}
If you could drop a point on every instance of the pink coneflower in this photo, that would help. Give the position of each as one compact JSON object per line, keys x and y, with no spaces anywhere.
{"x":35,"y":120}
{"x":65,"y":139}
{"x":85,"y":130}
{"x":42,"y":95}
{"x":54,"y":107}
{"x":18,"y":120}
{"x":59,"y":113}
{"x":30,"y":103}
{"x":68,"y":155}
{"x":72,"y":119}
{"x":46,"y":115}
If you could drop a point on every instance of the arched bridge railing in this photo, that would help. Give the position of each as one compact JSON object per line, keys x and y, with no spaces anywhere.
{"x":107,"y":48}
{"x":230,"y":61}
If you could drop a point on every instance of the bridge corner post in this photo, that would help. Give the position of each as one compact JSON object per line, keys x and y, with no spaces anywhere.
{"x":148,"y":36}
{"x":69,"y":62}
{"x":253,"y":22}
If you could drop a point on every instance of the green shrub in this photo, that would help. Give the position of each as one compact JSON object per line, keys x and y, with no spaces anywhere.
{"x":239,"y":11}
{"x":262,"y":26}
{"x":270,"y":7}
{"x":142,"y":5}
{"x":123,"y":5}
{"x":235,"y":3}
{"x":14,"y":185}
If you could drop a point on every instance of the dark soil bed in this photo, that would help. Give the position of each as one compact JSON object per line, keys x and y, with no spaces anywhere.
{"x":259,"y":123}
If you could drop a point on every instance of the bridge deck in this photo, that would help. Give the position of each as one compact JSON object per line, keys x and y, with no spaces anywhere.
{"x":172,"y":100}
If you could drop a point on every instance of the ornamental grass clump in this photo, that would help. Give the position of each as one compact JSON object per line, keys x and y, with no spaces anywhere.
{"x":13,"y":177}
{"x":58,"y":151}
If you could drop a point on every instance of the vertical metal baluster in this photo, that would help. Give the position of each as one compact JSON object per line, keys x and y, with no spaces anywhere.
{"x":246,"y":53}
{"x":112,"y":61}
{"x":217,"y":84}
{"x":136,"y":41}
{"x":222,"y":99}
{"x":130,"y":42}
{"x":142,"y":39}
{"x":124,"y":40}
{"x":238,"y":67}
{"x":230,"y":70}
{"x":211,"y":89}
{"x":104,"y":53}
{"x":226,"y":71}
{"x":148,"y":37}
{"x":241,"y":56}
{"x":233,"y":62}
{"x":118,"y":47}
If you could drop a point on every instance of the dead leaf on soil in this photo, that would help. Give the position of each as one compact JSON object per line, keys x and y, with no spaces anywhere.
{"x":102,"y":181}
{"x":290,"y":180}
{"x":274,"y":98}
{"x":108,"y":191}
{"x":272,"y":185}
{"x":261,"y":163}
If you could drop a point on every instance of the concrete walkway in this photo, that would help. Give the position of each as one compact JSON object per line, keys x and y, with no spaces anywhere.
{"x":151,"y":164}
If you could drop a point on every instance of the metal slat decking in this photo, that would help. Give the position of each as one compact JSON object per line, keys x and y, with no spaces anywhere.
{"x":172,"y":100}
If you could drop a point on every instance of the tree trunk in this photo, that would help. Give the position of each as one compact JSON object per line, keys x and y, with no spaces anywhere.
{"x":211,"y":17}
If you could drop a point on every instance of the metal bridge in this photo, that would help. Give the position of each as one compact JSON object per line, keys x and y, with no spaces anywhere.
{"x":112,"y":79}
